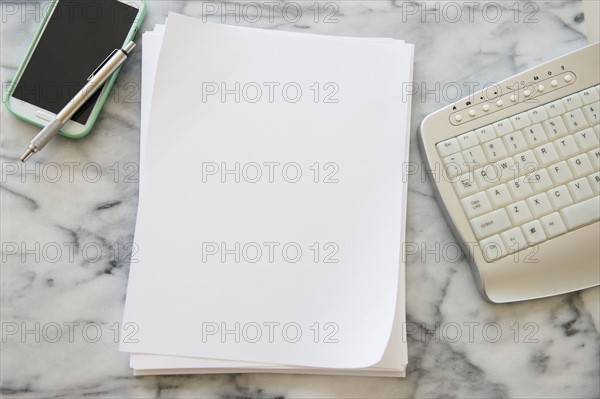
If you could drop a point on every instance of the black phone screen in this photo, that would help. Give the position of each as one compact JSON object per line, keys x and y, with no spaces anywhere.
{"x":78,"y":37}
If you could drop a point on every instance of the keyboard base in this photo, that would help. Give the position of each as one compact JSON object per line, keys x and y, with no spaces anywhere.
{"x":542,"y":270}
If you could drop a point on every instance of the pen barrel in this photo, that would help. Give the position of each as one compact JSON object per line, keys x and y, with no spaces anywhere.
{"x":47,"y":134}
{"x":92,"y":86}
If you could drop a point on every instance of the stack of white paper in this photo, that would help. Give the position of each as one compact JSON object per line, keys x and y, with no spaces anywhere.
{"x":272,"y":203}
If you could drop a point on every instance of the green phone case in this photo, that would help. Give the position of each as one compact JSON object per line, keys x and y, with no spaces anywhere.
{"x":106,"y":91}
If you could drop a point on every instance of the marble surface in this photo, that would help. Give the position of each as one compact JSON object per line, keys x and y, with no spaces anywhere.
{"x":67,"y":224}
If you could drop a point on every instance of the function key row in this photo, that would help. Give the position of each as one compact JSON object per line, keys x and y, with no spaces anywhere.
{"x":582,"y":105}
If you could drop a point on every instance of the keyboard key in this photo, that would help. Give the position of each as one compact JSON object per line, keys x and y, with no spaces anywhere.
{"x":474,"y":157}
{"x":486,"y":133}
{"x":589,"y":96}
{"x":487,"y":177}
{"x":531,"y":177}
{"x":503,"y":127}
{"x":519,"y":188}
{"x":495,"y":150}
{"x":575,"y":120}
{"x":540,"y":181}
{"x":534,"y":233}
{"x":560,"y":173}
{"x":580,"y":189}
{"x":466,"y":185}
{"x":572,"y":102}
{"x":448,"y":147}
{"x":553,"y":225}
{"x":560,"y":197}
{"x":581,"y":165}
{"x":500,"y":196}
{"x":540,"y":205}
{"x":546,"y":154}
{"x":477,"y":205}
{"x":467,"y":140}
{"x":514,"y":240}
{"x":526,"y":163}
{"x":594,"y":156}
{"x":594,"y":182}
{"x":519,"y":213}
{"x":538,"y":115}
{"x":567,"y":147}
{"x":586,"y":140}
{"x":490,"y":224}
{"x":515,"y":142}
{"x":520,"y":121}
{"x":556,"y":108}
{"x":591,"y":113}
{"x":492,"y":248}
{"x":506,"y":170}
{"x":555,"y":128}
{"x":581,"y":214}
{"x":535,"y":135}
{"x":454,"y":165}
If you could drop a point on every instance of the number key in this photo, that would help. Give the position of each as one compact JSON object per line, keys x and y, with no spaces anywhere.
{"x":495,"y":150}
{"x":591,"y":112}
{"x":535,"y":135}
{"x":474,"y":157}
{"x":576,"y":120}
{"x":555,"y":128}
{"x":515,"y":142}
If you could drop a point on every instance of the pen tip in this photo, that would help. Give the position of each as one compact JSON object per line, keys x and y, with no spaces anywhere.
{"x":129,"y":47}
{"x":30,"y":151}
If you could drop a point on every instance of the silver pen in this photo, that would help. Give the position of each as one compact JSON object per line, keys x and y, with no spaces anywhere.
{"x":95,"y":81}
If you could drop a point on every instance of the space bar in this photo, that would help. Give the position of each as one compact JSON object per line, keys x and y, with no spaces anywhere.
{"x":582,"y":213}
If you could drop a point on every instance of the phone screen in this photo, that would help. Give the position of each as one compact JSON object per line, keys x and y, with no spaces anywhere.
{"x":78,"y":37}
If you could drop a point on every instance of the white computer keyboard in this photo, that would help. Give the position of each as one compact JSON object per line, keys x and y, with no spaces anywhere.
{"x":521,"y":178}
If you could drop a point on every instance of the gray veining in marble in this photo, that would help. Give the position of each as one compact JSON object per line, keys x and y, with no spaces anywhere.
{"x":68,"y":221}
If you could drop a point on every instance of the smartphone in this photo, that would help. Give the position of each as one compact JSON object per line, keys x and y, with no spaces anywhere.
{"x":75,"y":37}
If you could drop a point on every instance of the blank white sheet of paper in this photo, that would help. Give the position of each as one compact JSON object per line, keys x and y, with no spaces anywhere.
{"x":195,"y":195}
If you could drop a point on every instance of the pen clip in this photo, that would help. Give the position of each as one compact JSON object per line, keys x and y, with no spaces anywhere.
{"x":101,"y":65}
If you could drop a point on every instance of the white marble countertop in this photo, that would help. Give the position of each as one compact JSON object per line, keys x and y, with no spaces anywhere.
{"x":67,"y":221}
